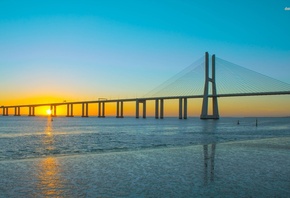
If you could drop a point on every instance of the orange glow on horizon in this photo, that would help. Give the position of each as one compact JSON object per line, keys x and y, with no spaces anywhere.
{"x":236,"y":106}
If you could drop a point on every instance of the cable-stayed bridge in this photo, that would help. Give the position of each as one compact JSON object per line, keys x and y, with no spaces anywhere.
{"x":208,"y":78}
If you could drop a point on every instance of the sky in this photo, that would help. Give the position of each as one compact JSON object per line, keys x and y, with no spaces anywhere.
{"x":54,"y":50}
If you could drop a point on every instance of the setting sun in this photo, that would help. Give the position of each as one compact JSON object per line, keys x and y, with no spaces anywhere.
{"x":48,"y":111}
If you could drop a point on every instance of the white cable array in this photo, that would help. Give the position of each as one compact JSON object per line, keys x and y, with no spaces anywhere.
{"x":230,"y":79}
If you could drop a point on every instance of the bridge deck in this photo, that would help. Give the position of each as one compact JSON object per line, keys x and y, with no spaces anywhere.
{"x":152,"y":98}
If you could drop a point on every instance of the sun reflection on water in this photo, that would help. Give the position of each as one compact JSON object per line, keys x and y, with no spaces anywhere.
{"x":49,"y":180}
{"x":48,"y":138}
{"x":48,"y":128}
{"x":50,"y":183}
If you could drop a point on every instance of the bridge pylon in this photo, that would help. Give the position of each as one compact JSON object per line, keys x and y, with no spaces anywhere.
{"x":208,"y":79}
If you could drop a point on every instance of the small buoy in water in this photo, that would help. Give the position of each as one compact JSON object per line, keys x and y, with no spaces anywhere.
{"x":238,"y":122}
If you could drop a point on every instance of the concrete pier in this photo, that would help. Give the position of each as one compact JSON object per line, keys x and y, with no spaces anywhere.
{"x":156,"y":108}
{"x":101,"y":110}
{"x":31,"y":111}
{"x":137,"y":109}
{"x":16,"y":111}
{"x":85,"y":109}
{"x":69,"y":109}
{"x":182,"y":108}
{"x":119,"y":109}
{"x":53,"y":110}
{"x":5,"y":111}
{"x":204,"y":111}
{"x":185,"y":108}
{"x":144,"y":108}
{"x":159,"y":108}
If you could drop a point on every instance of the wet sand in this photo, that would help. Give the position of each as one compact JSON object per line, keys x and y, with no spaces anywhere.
{"x":255,"y":168}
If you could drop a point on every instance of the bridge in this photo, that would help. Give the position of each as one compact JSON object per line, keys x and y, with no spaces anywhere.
{"x":199,"y":80}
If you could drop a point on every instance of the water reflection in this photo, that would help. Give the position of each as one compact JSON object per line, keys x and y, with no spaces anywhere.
{"x":48,"y":138}
{"x":209,"y":156}
{"x":209,"y":149}
{"x":49,"y":183}
{"x":49,"y":180}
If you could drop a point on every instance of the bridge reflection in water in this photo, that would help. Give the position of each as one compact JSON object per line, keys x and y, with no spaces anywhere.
{"x":209,"y":156}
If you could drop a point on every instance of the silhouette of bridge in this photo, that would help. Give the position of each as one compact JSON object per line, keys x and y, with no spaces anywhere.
{"x":196,"y":81}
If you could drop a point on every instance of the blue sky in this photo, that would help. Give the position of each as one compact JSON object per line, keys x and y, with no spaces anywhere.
{"x":90,"y":49}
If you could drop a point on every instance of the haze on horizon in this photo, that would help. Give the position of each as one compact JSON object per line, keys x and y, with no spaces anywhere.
{"x":52,"y":51}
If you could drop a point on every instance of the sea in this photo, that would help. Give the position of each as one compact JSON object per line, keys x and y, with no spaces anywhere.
{"x":129,"y":157}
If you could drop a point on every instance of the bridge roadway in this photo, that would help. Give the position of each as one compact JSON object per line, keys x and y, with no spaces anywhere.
{"x":159,"y":105}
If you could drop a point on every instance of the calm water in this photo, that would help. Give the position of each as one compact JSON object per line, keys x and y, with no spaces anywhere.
{"x":97,"y":157}
{"x":31,"y":137}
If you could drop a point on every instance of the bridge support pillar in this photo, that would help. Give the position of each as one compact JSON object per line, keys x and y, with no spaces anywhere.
{"x":101,"y":110}
{"x":180,"y":108}
{"x":122,"y":110}
{"x":17,"y":111}
{"x":183,"y":108}
{"x":119,"y":109}
{"x":144,"y":109}
{"x":69,"y":109}
{"x":204,"y":111}
{"x":156,"y":108}
{"x":159,"y":110}
{"x":31,"y":111}
{"x":137,"y":108}
{"x":53,"y":110}
{"x":5,"y":111}
{"x":85,"y":109}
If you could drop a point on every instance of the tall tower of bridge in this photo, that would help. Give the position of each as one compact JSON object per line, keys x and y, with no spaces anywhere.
{"x":206,"y":96}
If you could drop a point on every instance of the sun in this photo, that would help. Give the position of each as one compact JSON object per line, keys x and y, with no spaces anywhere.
{"x":48,"y":111}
